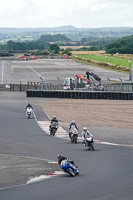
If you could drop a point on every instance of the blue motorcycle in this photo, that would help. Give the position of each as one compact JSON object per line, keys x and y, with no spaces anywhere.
{"x":69,"y":168}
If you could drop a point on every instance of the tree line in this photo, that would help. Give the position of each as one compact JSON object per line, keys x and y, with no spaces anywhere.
{"x":122,"y":46}
{"x":60,"y":40}
{"x":50,"y":44}
{"x":33,"y":45}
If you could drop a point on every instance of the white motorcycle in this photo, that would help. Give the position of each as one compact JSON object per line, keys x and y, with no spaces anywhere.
{"x":88,"y":142}
{"x":29,"y":112}
{"x":74,"y":135}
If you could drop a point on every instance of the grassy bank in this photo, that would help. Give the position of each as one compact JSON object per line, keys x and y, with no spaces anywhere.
{"x":109,"y":59}
{"x":115,"y":67}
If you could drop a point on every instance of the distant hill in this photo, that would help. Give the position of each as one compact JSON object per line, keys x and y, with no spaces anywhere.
{"x":20,"y":30}
{"x":91,"y":35}
{"x":67,"y":28}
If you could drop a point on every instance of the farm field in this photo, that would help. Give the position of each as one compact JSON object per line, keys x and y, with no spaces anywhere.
{"x":109,"y":59}
{"x":73,"y":47}
{"x":88,"y":52}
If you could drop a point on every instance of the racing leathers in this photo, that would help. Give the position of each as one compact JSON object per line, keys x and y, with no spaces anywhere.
{"x":65,"y":158}
{"x":86,"y":134}
{"x":51,"y":122}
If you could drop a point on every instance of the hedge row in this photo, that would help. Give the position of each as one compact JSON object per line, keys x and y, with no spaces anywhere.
{"x":80,"y":94}
{"x":121,"y":68}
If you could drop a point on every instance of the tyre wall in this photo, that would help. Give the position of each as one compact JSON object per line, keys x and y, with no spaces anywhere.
{"x":80,"y":94}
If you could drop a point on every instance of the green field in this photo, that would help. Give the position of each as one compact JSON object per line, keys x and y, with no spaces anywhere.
{"x":109,"y":59}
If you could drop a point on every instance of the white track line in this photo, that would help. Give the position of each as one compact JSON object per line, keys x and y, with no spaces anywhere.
{"x":35,"y":72}
{"x":113,"y":144}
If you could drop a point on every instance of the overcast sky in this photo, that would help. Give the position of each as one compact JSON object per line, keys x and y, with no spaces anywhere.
{"x":54,"y":13}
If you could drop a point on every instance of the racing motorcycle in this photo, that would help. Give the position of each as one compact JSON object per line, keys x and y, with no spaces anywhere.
{"x":69,"y":168}
{"x":29,"y":112}
{"x":88,"y":142}
{"x":74,"y":135}
{"x":53,"y":128}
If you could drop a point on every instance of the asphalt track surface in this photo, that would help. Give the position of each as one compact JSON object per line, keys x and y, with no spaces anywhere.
{"x":105,"y":174}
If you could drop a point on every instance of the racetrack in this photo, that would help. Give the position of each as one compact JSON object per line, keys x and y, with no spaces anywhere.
{"x":105,"y":174}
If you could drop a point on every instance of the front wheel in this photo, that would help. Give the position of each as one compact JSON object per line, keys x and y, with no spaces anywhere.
{"x":53,"y":131}
{"x":70,"y":172}
{"x":72,"y":140}
{"x":92,"y":147}
{"x":77,"y":173}
{"x":75,"y":139}
{"x":50,"y":132}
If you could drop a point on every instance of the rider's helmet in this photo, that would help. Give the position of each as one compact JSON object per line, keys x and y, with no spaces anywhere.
{"x":85,"y":129}
{"x":54,"y":117}
{"x":59,"y":156}
{"x":73,"y":122}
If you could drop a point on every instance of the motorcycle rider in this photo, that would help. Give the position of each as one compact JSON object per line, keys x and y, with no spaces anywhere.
{"x":29,"y":106}
{"x":61,"y":158}
{"x":85,"y":134}
{"x":71,"y":126}
{"x":53,"y":120}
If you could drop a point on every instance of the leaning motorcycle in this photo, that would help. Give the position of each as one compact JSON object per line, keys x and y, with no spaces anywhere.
{"x":74,"y":135}
{"x":89,"y":143}
{"x":69,"y":168}
{"x":29,"y":112}
{"x":53,"y":128}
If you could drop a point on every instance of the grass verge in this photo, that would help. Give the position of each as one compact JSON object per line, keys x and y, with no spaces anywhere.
{"x":108,"y":66}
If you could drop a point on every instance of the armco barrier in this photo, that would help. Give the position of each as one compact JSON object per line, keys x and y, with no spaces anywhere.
{"x":80,"y":94}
